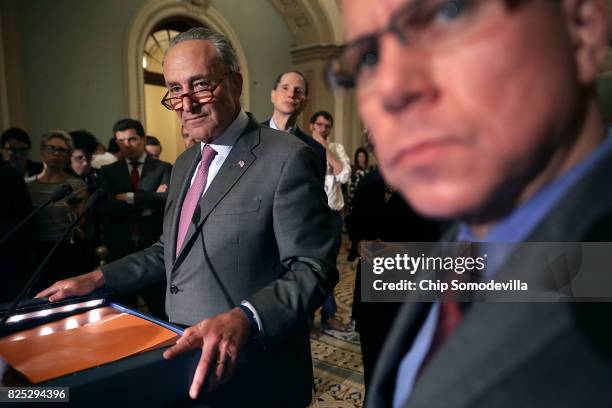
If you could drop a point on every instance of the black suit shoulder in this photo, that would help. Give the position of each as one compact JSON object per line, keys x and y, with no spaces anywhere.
{"x":112,"y":167}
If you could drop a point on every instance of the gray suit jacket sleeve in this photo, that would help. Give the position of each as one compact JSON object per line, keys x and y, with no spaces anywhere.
{"x":308,"y":239}
{"x":137,"y":270}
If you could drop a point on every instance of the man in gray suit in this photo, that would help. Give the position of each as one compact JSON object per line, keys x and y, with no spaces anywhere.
{"x":485,"y":112}
{"x":249,"y":246}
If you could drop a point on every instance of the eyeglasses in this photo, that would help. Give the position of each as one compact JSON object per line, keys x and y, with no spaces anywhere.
{"x":55,"y":149}
{"x":420,"y":24}
{"x":203,"y":93}
{"x":81,"y":158}
{"x":323,"y":125}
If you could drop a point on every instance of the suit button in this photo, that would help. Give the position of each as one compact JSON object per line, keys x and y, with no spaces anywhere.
{"x":174,"y":289}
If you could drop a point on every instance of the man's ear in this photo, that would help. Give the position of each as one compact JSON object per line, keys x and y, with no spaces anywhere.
{"x":588,"y":25}
{"x":236,"y":80}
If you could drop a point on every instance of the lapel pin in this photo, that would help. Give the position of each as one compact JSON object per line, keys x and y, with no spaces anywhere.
{"x":241,"y":163}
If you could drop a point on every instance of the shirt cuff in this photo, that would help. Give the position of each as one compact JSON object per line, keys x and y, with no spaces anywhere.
{"x":129,"y":197}
{"x":255,"y":316}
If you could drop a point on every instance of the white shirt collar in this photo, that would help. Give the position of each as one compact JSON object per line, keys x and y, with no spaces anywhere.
{"x":273,"y":125}
{"x":232,"y":133}
{"x":140,"y":160}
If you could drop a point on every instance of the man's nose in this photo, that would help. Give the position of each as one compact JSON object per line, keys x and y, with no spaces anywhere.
{"x":403,"y":76}
{"x":188,"y":103}
{"x":293,"y":93}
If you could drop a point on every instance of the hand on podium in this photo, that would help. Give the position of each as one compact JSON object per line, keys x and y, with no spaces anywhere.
{"x":221,"y":337}
{"x":77,"y":286}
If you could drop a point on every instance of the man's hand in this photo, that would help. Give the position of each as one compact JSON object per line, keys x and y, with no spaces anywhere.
{"x":162,"y":188}
{"x":322,"y":141}
{"x":77,"y":286}
{"x":220,"y":338}
{"x":121,"y":196}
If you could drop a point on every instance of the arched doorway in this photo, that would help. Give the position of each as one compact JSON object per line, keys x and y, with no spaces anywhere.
{"x":143,"y":84}
{"x":160,"y":122}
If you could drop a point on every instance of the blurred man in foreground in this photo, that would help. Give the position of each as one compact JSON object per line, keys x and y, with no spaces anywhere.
{"x":485,"y":112}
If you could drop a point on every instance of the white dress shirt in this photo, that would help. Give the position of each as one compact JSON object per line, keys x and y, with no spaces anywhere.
{"x":223,"y":146}
{"x":130,"y":194}
{"x":333,"y":182}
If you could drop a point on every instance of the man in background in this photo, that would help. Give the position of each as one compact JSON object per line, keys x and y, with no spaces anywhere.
{"x":289,"y":98}
{"x":337,"y":172}
{"x":485,"y":112}
{"x":132,"y":215}
{"x":15,"y":144}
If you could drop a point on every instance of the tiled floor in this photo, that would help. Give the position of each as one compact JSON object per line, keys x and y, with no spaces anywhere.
{"x":338,"y":368}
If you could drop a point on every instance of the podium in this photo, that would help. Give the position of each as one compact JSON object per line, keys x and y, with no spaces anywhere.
{"x":142,"y":378}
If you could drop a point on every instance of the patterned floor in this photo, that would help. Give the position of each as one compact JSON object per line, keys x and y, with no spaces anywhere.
{"x":338,"y":368}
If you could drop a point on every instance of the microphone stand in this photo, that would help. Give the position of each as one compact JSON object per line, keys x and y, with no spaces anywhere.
{"x":93,"y":200}
{"x":61,"y":192}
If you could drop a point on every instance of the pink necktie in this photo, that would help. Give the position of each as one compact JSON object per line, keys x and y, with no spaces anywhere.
{"x":193,"y":195}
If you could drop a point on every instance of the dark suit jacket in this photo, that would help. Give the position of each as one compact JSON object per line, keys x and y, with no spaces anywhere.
{"x":263,"y":233}
{"x":33,"y":168}
{"x":118,"y":216}
{"x":372,"y":219}
{"x":314,"y":145}
{"x":519,"y":354}
{"x":15,"y":206}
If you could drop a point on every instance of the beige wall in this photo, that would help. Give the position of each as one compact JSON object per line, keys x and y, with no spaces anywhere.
{"x":163,"y":124}
{"x":66,"y":66}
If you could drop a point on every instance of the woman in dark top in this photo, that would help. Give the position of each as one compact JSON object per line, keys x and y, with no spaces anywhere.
{"x":360,"y":168}
{"x":51,"y":223}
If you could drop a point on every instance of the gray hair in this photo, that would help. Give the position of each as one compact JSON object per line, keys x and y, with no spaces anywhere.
{"x":224,"y":48}
{"x":57,"y":134}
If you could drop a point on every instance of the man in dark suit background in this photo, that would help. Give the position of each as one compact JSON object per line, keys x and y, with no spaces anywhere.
{"x":289,"y":98}
{"x":380,"y":214}
{"x":249,"y":244}
{"x":485,"y":112}
{"x":15,"y":145}
{"x":132,"y":216}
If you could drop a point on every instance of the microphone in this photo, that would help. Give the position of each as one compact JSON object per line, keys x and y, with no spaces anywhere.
{"x":58,"y":194}
{"x":95,"y":199}
{"x":61,"y":192}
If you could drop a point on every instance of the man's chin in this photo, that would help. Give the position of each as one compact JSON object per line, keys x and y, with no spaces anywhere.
{"x":439,"y":202}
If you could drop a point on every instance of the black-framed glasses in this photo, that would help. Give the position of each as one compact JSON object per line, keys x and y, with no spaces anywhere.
{"x":200,"y":96}
{"x":55,"y":149}
{"x":323,"y":125}
{"x":423,"y":24}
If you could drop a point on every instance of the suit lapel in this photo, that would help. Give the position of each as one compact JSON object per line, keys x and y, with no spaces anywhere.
{"x":485,"y":348}
{"x":234,"y":166}
{"x":122,"y":177}
{"x":147,"y":168}
{"x":399,"y":340}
